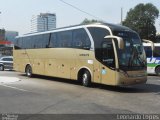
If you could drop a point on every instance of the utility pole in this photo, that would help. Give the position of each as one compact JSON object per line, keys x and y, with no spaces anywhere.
{"x":158,"y":17}
{"x":121,"y":16}
{"x":0,"y":12}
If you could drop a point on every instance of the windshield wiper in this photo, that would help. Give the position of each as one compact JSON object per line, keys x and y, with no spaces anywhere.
{"x":139,"y":58}
{"x":135,"y":55}
{"x":131,"y":58}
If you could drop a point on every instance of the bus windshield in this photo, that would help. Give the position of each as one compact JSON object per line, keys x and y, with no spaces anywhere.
{"x":132,"y":57}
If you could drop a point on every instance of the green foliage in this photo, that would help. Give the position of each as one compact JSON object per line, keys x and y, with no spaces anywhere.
{"x":87,"y":21}
{"x":142,"y":20}
{"x":158,"y":38}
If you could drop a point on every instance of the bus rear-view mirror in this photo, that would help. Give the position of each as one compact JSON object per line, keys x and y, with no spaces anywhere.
{"x":119,"y":40}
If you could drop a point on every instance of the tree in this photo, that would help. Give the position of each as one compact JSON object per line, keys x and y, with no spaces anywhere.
{"x":87,"y":21}
{"x":142,"y":20}
{"x":158,"y":38}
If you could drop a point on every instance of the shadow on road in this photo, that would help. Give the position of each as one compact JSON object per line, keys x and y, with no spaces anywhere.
{"x":153,"y":75}
{"x":142,"y":88}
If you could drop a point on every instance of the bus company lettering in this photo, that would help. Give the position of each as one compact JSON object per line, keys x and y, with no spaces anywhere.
{"x":85,"y":55}
{"x":153,"y":60}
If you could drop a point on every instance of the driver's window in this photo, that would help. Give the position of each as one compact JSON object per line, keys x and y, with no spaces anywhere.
{"x":108,"y":56}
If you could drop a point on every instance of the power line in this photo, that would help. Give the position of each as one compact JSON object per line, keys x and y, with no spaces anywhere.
{"x":81,"y":10}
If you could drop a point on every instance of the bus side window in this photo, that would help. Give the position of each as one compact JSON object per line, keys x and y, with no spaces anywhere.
{"x":64,"y":39}
{"x":148,"y":51}
{"x":27,"y":42}
{"x":77,"y":42}
{"x":33,"y":38}
{"x":45,"y":40}
{"x":53,"y":41}
{"x":81,"y":39}
{"x":36,"y":39}
{"x":21,"y":43}
{"x":157,"y":52}
{"x":18,"y":43}
{"x":108,"y":57}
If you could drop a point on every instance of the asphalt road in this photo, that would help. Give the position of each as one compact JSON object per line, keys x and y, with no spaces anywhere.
{"x":44,"y":95}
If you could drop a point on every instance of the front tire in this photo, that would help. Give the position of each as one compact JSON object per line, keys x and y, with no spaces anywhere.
{"x":158,"y":71}
{"x":28,"y":71}
{"x":86,"y":78}
{"x":1,"y":68}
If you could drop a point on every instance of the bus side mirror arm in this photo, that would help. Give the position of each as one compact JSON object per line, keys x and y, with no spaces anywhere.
{"x":148,"y":41}
{"x":119,"y":40}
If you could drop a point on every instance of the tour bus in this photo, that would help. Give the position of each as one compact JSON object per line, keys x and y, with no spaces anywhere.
{"x":96,"y":53}
{"x":153,"y":58}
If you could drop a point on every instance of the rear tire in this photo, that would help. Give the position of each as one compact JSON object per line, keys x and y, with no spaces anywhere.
{"x":86,"y":78}
{"x":28,"y":71}
{"x":1,"y":68}
{"x":158,"y":71}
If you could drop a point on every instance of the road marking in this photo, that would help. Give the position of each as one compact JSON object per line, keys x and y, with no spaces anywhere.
{"x":14,"y":88}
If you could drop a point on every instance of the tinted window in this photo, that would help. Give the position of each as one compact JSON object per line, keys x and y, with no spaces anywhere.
{"x":148,"y":51}
{"x":108,"y":57}
{"x":16,"y":43}
{"x":31,"y":42}
{"x":7,"y":59}
{"x":19,"y":43}
{"x":64,"y":39}
{"x":34,"y":41}
{"x":41,"y":41}
{"x":37,"y":41}
{"x":81,"y":39}
{"x":27,"y":43}
{"x":53,"y":40}
{"x":98,"y":35}
{"x":157,"y":52}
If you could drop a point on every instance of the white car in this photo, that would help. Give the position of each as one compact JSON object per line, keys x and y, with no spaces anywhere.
{"x":6,"y":62}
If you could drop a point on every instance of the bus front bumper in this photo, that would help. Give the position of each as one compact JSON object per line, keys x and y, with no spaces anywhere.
{"x":132,"y":78}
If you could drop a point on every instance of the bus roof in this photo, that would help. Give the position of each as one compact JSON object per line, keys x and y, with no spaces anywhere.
{"x":111,"y":26}
{"x":117,"y":27}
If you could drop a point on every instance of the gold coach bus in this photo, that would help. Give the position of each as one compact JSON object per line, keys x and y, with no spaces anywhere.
{"x":100,"y":53}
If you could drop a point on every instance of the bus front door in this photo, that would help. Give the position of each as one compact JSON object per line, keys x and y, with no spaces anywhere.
{"x":107,"y":68}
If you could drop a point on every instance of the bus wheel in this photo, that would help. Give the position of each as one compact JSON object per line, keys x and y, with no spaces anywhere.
{"x":86,"y":78}
{"x":29,"y":71}
{"x":158,"y":70}
{"x":1,"y":68}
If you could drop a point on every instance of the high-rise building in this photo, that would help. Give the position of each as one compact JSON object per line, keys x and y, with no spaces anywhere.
{"x":43,"y":22}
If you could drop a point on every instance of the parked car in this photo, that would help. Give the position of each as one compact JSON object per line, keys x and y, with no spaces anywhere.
{"x":6,"y":62}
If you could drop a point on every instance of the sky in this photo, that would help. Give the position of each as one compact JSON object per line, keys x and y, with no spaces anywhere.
{"x":16,"y":14}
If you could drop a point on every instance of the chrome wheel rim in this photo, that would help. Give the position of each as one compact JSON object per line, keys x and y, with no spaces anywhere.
{"x":28,"y":72}
{"x":85,"y":78}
